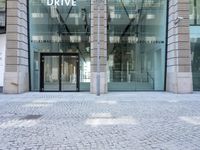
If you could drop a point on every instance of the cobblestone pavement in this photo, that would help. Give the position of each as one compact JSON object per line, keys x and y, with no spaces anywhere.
{"x":116,"y":121}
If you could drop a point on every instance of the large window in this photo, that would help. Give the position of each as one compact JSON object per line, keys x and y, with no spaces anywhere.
{"x":61,"y":29}
{"x":195,"y":41}
{"x":194,"y":12}
{"x":2,"y":16}
{"x":136,"y":44}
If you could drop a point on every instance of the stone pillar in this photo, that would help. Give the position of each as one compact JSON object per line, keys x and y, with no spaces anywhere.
{"x":103,"y":45}
{"x":16,"y":77}
{"x":179,"y":75}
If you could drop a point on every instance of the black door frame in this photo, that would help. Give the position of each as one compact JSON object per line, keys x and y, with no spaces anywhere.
{"x":42,"y":55}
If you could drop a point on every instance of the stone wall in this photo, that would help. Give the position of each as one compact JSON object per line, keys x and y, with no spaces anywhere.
{"x":103,"y":45}
{"x":179,"y":76}
{"x":16,"y":78}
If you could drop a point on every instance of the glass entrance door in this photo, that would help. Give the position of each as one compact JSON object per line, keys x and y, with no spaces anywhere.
{"x":59,"y":72}
{"x":51,"y":73}
{"x":69,"y":73}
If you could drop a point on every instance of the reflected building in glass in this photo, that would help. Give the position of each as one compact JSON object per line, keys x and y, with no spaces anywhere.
{"x":195,"y":41}
{"x":59,"y":29}
{"x":136,"y":45}
{"x":2,"y":41}
{"x":101,"y":45}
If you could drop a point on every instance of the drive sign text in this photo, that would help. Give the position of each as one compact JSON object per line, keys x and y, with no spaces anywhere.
{"x":61,"y":2}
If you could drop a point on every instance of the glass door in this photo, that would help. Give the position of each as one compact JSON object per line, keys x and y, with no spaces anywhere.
{"x":69,"y":76}
{"x":50,"y":73}
{"x":59,"y":72}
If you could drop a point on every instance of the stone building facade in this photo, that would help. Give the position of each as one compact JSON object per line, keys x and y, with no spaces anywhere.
{"x":118,"y":42}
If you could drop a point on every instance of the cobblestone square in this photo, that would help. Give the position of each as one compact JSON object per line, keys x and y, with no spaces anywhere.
{"x":115,"y":121}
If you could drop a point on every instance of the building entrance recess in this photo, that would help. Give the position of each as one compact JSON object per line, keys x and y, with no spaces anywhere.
{"x":59,"y":72}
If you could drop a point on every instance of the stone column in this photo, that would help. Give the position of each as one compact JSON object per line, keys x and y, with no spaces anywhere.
{"x":16,"y":77}
{"x":103,"y":45}
{"x":179,"y":75}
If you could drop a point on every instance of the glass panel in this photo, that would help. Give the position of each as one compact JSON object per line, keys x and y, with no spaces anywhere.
{"x":64,"y":29}
{"x":194,"y":12}
{"x":198,"y":12}
{"x":195,"y":48}
{"x":51,"y":73}
{"x":69,"y":73}
{"x":2,"y":16}
{"x":136,"y":44}
{"x":195,"y":41}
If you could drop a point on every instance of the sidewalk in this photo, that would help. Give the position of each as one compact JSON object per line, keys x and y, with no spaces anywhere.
{"x":86,"y":96}
{"x":115,"y":121}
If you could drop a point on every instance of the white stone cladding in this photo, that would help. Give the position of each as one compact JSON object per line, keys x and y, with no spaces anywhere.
{"x":16,"y":78}
{"x":179,"y":75}
{"x":103,"y":45}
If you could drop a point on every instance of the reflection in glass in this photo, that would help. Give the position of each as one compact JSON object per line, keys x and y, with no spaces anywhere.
{"x":136,"y":44}
{"x":194,"y":12}
{"x":64,"y":29}
{"x":195,"y":49}
{"x":51,"y":73}
{"x":68,"y":73}
{"x":195,"y":41}
{"x":2,"y":16}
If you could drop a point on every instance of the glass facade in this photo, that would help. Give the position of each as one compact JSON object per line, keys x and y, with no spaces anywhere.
{"x":2,"y":16}
{"x":136,"y":44}
{"x":195,"y":41}
{"x":59,"y":29}
{"x":194,"y":12}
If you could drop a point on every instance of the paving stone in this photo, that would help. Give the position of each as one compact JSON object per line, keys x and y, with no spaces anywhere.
{"x":118,"y":121}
